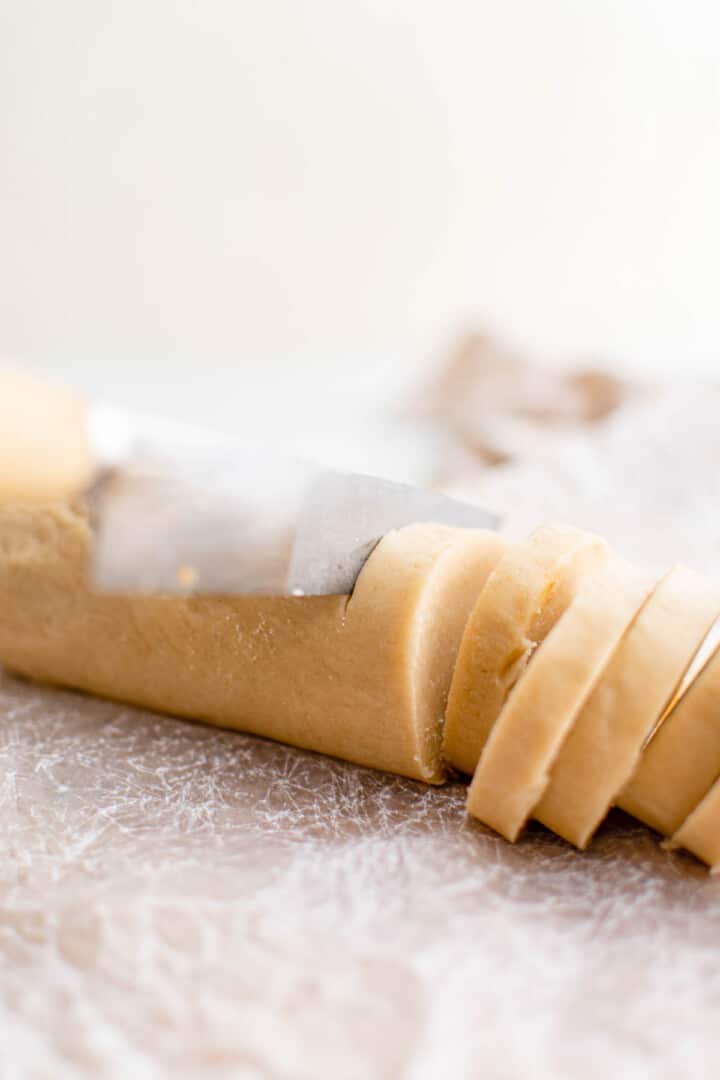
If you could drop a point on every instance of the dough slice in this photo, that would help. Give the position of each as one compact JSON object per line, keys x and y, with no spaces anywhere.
{"x":700,"y":833}
{"x":44,"y":442}
{"x":363,"y":678}
{"x":514,"y":767}
{"x":605,"y":743}
{"x":523,"y":599}
{"x":682,"y":760}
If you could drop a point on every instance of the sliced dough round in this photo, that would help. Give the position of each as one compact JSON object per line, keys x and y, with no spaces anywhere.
{"x":44,"y":441}
{"x":514,"y":767}
{"x":363,"y":678}
{"x":682,"y":760}
{"x":521,"y":602}
{"x":700,"y":832}
{"x":604,"y":746}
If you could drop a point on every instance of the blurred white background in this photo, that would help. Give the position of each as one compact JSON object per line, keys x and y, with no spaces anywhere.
{"x":303,"y":200}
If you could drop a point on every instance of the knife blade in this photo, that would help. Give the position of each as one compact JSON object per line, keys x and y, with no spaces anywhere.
{"x":177,"y":509}
{"x":181,"y":510}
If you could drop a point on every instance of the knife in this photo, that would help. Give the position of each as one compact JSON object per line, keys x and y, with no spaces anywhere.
{"x":178,"y":510}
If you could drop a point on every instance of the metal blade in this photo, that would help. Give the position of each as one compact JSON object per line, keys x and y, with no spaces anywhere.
{"x":343,"y":517}
{"x":198,"y":516}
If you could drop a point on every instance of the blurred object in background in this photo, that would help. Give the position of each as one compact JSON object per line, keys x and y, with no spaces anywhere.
{"x":634,"y":461}
{"x":493,"y":405}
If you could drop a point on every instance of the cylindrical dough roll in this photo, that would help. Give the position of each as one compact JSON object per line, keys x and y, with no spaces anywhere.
{"x":363,"y":678}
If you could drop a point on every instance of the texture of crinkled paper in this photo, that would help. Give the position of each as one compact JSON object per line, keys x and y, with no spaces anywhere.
{"x":181,"y":901}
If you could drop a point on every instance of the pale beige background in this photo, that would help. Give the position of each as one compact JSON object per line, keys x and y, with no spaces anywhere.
{"x":320,"y":183}
{"x":271,"y":212}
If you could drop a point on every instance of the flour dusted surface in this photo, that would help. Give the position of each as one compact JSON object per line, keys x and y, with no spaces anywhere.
{"x":180,"y":900}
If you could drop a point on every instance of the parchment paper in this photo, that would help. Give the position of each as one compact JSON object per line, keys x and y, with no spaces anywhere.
{"x":184,"y":902}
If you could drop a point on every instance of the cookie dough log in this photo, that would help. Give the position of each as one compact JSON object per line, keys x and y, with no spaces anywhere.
{"x":515,"y":765}
{"x":363,"y":678}
{"x":604,"y":745}
{"x":521,"y":602}
{"x":700,"y":832}
{"x":44,"y":442}
{"x":682,"y":760}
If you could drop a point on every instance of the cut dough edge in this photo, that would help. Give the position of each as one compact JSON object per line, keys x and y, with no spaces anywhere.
{"x":682,"y":761}
{"x":521,"y":602}
{"x":514,"y":767}
{"x":364,"y":679}
{"x":604,"y":746}
{"x":700,"y":832}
